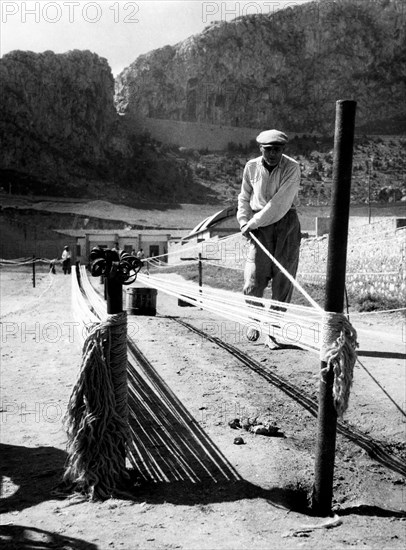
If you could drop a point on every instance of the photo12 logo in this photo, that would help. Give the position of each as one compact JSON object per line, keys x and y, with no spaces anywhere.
{"x":50,"y":412}
{"x":52,"y":332}
{"x":226,"y":11}
{"x":54,"y":12}
{"x":320,"y":11}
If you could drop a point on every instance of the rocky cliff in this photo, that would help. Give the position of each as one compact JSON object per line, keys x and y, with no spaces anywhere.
{"x":284,"y":69}
{"x":56,"y":114}
{"x":60,"y":133}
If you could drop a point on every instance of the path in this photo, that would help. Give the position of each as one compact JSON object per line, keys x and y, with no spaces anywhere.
{"x":38,"y":370}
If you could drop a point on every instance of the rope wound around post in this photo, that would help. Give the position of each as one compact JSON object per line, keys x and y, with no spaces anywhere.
{"x":97,"y":416}
{"x":338,"y":350}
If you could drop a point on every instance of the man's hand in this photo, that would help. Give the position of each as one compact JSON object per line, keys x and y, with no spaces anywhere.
{"x":245,"y":231}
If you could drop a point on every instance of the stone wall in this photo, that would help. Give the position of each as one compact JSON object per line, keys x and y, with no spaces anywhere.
{"x":376,"y":258}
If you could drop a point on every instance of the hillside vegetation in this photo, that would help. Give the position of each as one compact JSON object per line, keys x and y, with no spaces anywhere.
{"x":379,"y":169}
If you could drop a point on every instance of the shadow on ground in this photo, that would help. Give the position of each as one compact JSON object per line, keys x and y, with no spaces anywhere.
{"x":381,"y":354}
{"x":34,"y":471}
{"x":370,"y":510}
{"x":22,"y":537}
{"x":209,"y":492}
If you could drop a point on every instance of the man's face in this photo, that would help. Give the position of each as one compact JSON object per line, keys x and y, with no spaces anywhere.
{"x":272,"y":153}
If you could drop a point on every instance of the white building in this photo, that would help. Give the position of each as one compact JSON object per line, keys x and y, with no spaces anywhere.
{"x":153,"y":242}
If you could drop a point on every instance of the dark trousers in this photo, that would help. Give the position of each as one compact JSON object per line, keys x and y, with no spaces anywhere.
{"x":282,"y":240}
{"x":66,"y":266}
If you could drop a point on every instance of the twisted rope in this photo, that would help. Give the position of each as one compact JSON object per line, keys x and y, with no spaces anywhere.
{"x":97,"y":415}
{"x":338,"y":351}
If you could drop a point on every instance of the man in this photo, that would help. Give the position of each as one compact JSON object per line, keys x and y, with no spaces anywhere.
{"x":266,"y":207}
{"x":66,"y":259}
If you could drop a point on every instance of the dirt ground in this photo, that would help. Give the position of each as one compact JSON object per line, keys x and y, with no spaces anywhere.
{"x":224,"y":495}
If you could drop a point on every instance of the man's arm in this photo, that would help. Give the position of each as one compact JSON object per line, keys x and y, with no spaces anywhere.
{"x":244,"y":212}
{"x":281,"y":202}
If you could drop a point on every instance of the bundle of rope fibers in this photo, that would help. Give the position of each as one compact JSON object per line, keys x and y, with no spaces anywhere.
{"x":268,"y":316}
{"x":338,"y":351}
{"x":97,"y":415}
{"x":339,"y":338}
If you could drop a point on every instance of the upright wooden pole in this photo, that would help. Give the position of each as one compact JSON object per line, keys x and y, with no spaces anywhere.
{"x":114,"y":295}
{"x":200,"y":273}
{"x":334,"y":299}
{"x":100,"y":470}
{"x":200,"y":270}
{"x":77,"y":267}
{"x":33,"y":270}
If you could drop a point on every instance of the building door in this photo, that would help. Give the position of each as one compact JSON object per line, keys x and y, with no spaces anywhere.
{"x":153,"y":250}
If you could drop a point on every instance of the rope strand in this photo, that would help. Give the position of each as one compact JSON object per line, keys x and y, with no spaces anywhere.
{"x":338,"y":351}
{"x":97,"y":416}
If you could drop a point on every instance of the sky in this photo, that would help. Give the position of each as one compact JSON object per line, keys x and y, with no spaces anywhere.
{"x":118,"y":30}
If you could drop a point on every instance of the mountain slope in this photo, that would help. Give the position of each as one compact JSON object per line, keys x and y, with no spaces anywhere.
{"x":60,"y":134}
{"x":284,"y":69}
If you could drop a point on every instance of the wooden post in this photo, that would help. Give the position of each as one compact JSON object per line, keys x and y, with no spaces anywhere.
{"x":77,"y":268}
{"x":111,"y":437}
{"x":200,"y":273}
{"x":334,"y":300}
{"x":370,"y":165}
{"x":200,"y":270}
{"x":33,"y":270}
{"x":114,"y":295}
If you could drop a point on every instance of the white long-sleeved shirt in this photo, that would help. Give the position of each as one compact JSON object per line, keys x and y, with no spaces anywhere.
{"x":265,"y":196}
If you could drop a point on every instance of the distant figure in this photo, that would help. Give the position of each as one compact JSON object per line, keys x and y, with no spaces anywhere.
{"x":66,"y":260}
{"x":140,"y":254}
{"x":116,"y":248}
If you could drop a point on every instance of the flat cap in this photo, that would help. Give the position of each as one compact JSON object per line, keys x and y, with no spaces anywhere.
{"x":271,"y":137}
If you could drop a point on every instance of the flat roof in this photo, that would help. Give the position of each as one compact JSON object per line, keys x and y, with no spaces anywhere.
{"x":125,"y":232}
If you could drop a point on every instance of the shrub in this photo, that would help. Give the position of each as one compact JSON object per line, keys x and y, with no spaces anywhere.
{"x":370,"y":302}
